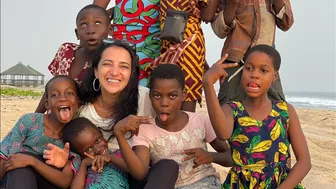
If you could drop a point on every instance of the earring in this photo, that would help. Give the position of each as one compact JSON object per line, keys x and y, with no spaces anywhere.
{"x":94,"y":86}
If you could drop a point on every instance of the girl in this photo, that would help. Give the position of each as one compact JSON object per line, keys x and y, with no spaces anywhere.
{"x":190,"y":54}
{"x":92,"y":25}
{"x":87,"y":140}
{"x":137,"y":21}
{"x":22,"y":148}
{"x":173,"y":134}
{"x":259,"y":130}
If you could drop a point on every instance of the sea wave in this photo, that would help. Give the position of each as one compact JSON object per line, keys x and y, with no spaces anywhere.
{"x":312,"y":102}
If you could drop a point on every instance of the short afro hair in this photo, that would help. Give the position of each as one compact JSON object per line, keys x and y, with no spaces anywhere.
{"x":66,"y":77}
{"x":73,"y":129}
{"x":167,"y":71}
{"x":270,"y":51}
{"x":93,"y":6}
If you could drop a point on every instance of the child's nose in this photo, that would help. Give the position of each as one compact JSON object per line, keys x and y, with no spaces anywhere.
{"x":164,"y":102}
{"x":255,"y":74}
{"x":91,"y":29}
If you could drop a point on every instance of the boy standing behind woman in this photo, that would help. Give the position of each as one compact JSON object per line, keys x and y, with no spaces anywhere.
{"x":245,"y":24}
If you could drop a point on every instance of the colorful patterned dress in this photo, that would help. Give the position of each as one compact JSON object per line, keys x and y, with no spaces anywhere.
{"x":112,"y":177}
{"x":260,"y":149}
{"x":28,"y":136}
{"x":190,"y":54}
{"x":137,"y":21}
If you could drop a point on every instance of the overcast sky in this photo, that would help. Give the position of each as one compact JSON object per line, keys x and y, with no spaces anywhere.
{"x":32,"y":31}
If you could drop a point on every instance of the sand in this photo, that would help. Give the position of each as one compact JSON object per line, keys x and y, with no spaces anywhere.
{"x":319,"y":127}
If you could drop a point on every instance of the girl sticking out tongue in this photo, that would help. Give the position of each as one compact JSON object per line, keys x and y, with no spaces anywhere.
{"x":22,"y":148}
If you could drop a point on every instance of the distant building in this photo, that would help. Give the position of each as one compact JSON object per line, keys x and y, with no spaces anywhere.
{"x":21,"y":75}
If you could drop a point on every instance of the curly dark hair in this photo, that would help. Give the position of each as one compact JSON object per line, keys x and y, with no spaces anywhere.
{"x":73,"y":129}
{"x":66,"y":77}
{"x":167,"y":71}
{"x":270,"y":51}
{"x":128,"y":99}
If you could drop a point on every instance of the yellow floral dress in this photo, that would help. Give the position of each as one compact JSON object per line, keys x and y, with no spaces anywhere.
{"x":260,"y":149}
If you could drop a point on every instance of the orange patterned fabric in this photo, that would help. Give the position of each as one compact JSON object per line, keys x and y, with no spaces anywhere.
{"x":190,"y":54}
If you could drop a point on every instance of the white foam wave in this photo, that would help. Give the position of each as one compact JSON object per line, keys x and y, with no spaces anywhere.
{"x":312,"y":102}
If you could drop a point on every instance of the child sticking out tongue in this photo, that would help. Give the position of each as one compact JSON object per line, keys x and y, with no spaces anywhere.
{"x":65,"y":114}
{"x":164,"y":116}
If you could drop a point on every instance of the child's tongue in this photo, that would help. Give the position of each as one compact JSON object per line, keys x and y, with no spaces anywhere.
{"x":164,"y":116}
{"x":253,"y":85}
{"x":65,"y":114}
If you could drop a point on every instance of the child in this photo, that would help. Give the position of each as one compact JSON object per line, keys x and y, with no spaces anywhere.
{"x":190,"y":53}
{"x":22,"y":148}
{"x":174,"y":134}
{"x":92,"y":25}
{"x":87,"y":140}
{"x":245,"y":24}
{"x":259,"y":130}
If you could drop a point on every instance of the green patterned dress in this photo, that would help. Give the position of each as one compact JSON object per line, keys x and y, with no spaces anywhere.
{"x":260,"y":149}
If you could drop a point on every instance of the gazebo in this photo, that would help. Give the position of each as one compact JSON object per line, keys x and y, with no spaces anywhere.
{"x":21,"y":75}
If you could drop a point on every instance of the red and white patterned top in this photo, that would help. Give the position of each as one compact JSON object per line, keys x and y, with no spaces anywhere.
{"x":64,"y":57}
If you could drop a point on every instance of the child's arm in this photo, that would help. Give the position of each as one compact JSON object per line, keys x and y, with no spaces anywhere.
{"x":102,"y":3}
{"x":2,"y":168}
{"x":207,"y":13}
{"x":79,"y":180}
{"x":119,"y":162}
{"x":300,"y":148}
{"x":137,"y":161}
{"x":61,"y":179}
{"x":223,"y":157}
{"x":283,"y":14}
{"x":221,"y":118}
{"x":230,"y":11}
{"x":41,"y":106}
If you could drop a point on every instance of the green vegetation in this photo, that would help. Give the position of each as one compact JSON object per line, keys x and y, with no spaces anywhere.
{"x":19,"y":92}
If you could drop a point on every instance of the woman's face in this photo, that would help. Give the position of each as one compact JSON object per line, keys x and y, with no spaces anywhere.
{"x":114,"y":70}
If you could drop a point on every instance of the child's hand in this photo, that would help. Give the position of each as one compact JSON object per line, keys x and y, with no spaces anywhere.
{"x":99,"y":161}
{"x":15,"y":161}
{"x":131,"y":123}
{"x":217,"y":71}
{"x":56,"y":156}
{"x":199,"y":155}
{"x":87,"y":161}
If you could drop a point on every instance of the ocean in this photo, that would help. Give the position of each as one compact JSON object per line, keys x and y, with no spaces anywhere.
{"x":315,"y":100}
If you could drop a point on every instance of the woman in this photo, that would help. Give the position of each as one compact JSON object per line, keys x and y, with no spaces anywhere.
{"x":110,"y":97}
{"x":138,"y":22}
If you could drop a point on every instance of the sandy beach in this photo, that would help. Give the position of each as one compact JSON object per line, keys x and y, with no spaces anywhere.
{"x":319,"y":127}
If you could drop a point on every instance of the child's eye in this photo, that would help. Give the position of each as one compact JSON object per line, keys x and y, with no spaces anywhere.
{"x":54,"y":95}
{"x":248,"y":68}
{"x":83,"y":24}
{"x":156,"y":96}
{"x":98,"y":22}
{"x":89,"y":150}
{"x":70,"y":94}
{"x":264,"y":71}
{"x":173,"y":96}
{"x":98,"y":140}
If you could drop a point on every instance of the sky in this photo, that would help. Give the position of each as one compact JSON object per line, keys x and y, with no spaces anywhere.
{"x":32,"y":31}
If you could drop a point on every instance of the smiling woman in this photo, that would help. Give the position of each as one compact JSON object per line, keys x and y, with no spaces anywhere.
{"x":111,"y":92}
